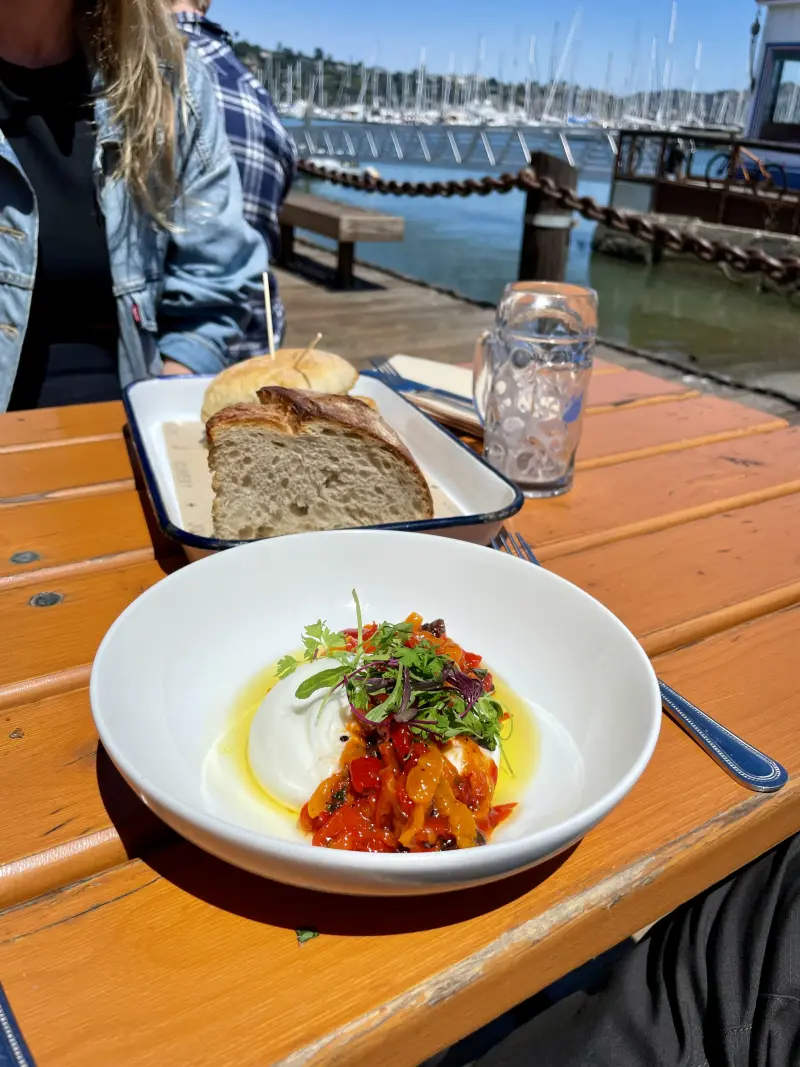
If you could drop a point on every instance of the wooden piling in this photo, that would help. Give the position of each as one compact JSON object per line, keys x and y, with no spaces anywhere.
{"x":546,"y":226}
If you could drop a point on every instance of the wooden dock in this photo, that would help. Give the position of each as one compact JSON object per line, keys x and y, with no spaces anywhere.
{"x":380,"y":316}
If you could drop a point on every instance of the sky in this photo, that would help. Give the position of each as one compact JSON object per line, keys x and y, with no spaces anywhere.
{"x":393,"y":35}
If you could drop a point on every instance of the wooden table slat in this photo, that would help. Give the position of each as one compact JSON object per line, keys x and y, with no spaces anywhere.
{"x":53,"y":426}
{"x":72,"y":530}
{"x":65,"y":832}
{"x":655,"y":492}
{"x":48,"y":640}
{"x":629,"y":386}
{"x":617,"y":436}
{"x":659,"y":581}
{"x":155,"y":942}
{"x":69,"y":469}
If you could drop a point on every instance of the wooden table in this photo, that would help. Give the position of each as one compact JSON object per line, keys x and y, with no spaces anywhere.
{"x":121,"y":944}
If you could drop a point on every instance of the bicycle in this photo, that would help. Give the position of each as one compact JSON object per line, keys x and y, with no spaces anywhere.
{"x":754,"y":173}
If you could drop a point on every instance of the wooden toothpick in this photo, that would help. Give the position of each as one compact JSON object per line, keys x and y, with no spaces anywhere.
{"x":305,"y":351}
{"x":268,"y":309}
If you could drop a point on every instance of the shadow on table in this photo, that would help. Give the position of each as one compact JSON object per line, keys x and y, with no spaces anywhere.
{"x":140,"y":830}
{"x":262,"y":900}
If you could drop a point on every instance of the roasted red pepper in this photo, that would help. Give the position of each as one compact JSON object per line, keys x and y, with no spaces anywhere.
{"x":401,"y":739}
{"x":365,"y":774}
{"x":498,"y":814}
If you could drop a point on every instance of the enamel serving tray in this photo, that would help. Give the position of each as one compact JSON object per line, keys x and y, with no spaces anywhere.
{"x":472,"y":499}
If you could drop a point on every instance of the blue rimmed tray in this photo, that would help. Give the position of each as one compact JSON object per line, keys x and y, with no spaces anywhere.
{"x":471,"y":499}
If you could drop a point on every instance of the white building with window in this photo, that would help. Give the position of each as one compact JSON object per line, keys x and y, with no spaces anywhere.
{"x":775,"y":107}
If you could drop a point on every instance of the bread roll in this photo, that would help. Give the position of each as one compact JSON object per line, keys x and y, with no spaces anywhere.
{"x":321,"y":372}
{"x":300,"y":461}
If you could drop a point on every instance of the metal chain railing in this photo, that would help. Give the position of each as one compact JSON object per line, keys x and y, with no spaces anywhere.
{"x":783,"y":270}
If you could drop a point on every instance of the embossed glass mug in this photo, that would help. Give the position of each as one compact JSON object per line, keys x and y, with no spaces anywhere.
{"x":531,"y":372}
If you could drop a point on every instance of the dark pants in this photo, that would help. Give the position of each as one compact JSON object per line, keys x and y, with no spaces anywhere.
{"x":716,"y":984}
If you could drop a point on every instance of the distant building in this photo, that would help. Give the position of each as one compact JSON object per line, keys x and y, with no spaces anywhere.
{"x":775,"y":108}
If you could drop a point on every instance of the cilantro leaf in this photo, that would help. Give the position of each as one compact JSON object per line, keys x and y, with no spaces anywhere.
{"x":319,"y":640}
{"x":286,"y":666}
{"x":306,"y":935}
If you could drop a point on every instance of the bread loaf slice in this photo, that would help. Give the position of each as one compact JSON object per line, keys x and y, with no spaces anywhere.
{"x":293,"y":368}
{"x":301,"y":461}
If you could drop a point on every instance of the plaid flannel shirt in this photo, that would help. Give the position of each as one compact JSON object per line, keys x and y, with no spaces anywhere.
{"x":264,"y":151}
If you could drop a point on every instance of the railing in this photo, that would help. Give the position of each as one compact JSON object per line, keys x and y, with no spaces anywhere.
{"x":486,"y":148}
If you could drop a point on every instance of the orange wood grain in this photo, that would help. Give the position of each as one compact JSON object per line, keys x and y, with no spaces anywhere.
{"x":69,"y":530}
{"x":156,"y":942}
{"x":75,"y":815}
{"x":642,"y":402}
{"x":28,"y":690}
{"x":604,"y":366}
{"x":629,"y":386}
{"x":660,"y":580}
{"x":655,"y":492}
{"x":53,"y":426}
{"x":34,"y":472}
{"x":48,"y":640}
{"x":616,"y":436}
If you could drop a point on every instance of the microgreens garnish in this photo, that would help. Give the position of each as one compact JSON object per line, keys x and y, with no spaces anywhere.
{"x":393,"y":682}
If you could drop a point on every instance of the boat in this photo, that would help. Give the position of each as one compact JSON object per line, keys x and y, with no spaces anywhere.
{"x":774,"y":113}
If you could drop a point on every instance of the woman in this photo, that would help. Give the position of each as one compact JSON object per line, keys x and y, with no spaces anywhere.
{"x":123,"y":249}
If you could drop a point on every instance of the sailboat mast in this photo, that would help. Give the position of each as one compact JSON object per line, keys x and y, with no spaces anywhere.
{"x":665,"y":111}
{"x":420,"y":98}
{"x":562,"y":63}
{"x":698,"y":58}
{"x":650,"y":78}
{"x":531,"y":61}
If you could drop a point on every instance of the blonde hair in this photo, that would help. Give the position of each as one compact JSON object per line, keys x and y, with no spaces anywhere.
{"x":139,"y":51}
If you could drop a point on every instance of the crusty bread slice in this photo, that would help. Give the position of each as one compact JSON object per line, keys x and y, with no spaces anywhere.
{"x":302,"y":461}
{"x":294,"y":368}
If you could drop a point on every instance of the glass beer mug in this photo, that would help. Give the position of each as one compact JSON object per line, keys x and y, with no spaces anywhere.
{"x":530,"y":377}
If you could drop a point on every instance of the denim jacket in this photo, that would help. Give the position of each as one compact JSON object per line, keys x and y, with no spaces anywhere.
{"x":182,"y":294}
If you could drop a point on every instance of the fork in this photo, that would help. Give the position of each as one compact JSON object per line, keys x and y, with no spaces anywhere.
{"x":393,"y":378}
{"x":741,"y":760}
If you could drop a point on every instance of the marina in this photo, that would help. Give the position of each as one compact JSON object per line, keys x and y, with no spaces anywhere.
{"x":726,"y":158}
{"x":547,"y":95}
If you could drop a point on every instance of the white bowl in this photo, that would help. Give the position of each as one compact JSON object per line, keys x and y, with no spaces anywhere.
{"x":168,"y":671}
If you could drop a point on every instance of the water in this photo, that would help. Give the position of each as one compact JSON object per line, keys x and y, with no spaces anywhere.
{"x":680,"y":309}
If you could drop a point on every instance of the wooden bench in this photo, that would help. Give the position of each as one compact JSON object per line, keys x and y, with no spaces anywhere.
{"x":344,"y":223}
